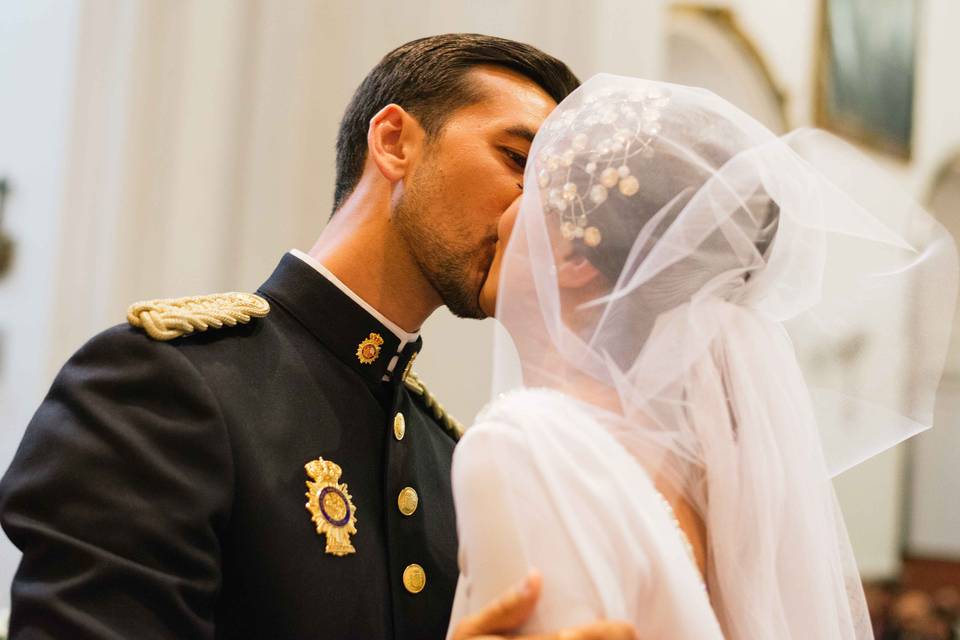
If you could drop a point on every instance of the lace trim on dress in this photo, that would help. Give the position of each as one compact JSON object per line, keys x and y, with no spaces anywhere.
{"x":687,"y":545}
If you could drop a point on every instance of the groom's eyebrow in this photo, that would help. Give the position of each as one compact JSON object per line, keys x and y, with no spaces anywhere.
{"x":521,"y":131}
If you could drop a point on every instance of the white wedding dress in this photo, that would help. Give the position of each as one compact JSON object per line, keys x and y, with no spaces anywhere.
{"x":590,"y":521}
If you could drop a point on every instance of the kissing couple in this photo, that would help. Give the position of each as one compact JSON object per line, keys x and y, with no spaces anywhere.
{"x":656,"y":457}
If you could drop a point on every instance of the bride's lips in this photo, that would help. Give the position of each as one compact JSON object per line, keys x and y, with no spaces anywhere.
{"x":488,"y":291}
{"x":489,"y":253}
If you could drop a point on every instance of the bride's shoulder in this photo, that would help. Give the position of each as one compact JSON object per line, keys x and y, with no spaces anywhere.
{"x":517,"y":419}
{"x":507,"y":435}
{"x":522,"y":404}
{"x":503,"y":419}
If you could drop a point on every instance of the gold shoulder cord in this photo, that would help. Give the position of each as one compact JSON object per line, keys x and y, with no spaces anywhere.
{"x":175,"y":317}
{"x":450,"y":424}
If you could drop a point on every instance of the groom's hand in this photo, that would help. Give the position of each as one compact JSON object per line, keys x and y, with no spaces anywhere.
{"x":510,"y":610}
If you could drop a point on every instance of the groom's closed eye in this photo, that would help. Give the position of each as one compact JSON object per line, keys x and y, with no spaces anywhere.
{"x":517,"y":162}
{"x":522,"y":135}
{"x":518,"y":159}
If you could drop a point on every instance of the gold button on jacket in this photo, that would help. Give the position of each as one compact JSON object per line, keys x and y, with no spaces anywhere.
{"x":399,"y":426}
{"x":414,"y":578}
{"x":407,"y":501}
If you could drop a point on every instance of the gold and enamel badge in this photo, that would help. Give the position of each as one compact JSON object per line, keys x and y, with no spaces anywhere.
{"x":331,"y":506}
{"x":369,"y":349}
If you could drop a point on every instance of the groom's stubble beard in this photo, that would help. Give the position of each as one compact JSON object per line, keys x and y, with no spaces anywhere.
{"x":454,"y":267}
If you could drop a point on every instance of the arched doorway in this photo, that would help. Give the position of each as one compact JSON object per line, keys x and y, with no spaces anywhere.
{"x":705,"y":47}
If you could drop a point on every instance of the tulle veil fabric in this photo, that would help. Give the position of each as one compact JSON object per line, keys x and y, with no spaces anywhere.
{"x":735,"y":263}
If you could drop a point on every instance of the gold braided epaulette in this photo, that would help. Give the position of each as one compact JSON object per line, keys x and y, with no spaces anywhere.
{"x":450,"y":424}
{"x":175,"y":317}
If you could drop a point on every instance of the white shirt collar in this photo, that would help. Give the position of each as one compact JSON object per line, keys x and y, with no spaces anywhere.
{"x":403,"y":336}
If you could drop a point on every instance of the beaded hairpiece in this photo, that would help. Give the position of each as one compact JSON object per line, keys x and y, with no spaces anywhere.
{"x":624,"y":124}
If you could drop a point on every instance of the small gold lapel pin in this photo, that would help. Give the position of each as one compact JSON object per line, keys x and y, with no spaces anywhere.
{"x":331,"y":506}
{"x":369,"y":349}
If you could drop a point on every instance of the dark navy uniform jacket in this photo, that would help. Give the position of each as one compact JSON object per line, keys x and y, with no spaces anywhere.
{"x":159,"y":491}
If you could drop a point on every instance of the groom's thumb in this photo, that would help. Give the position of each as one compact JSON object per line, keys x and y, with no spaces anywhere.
{"x":504,"y":614}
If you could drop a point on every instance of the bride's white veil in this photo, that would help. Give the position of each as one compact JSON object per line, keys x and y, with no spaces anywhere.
{"x":731,"y":266}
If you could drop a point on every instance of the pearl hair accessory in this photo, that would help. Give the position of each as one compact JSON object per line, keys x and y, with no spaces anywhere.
{"x":621,"y":126}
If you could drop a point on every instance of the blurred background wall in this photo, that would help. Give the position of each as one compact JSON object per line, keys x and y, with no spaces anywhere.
{"x":159,"y":149}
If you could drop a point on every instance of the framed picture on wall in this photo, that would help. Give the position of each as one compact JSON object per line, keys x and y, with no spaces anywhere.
{"x":865,"y":72}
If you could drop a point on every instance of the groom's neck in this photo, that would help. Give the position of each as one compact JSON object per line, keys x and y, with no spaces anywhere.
{"x":362,"y":248}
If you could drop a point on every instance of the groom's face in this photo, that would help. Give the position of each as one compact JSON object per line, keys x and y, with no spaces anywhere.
{"x":470,"y":174}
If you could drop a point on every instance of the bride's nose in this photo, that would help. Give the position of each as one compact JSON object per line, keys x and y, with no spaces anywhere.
{"x":507,"y":220}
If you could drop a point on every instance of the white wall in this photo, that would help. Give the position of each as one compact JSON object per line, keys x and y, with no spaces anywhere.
{"x":933,"y":527}
{"x":37,"y":45}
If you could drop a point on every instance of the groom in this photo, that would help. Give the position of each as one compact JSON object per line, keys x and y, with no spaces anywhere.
{"x":159,"y":491}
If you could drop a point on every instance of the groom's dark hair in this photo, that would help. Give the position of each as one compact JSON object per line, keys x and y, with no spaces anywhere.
{"x":428,"y":78}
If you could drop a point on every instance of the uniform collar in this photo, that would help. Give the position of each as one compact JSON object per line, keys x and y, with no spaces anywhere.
{"x":341,"y":321}
{"x":403,"y":336}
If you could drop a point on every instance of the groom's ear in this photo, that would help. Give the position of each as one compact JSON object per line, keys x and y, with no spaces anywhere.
{"x":394,"y":141}
{"x":575,"y":272}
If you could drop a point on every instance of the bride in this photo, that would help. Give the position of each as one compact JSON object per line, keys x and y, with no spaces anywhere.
{"x":670,"y":409}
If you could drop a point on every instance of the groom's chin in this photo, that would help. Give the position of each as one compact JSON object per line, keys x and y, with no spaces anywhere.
{"x":465,"y":303}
